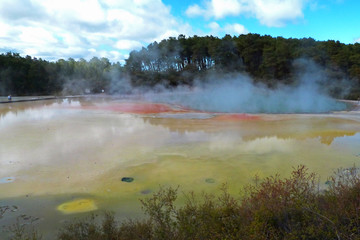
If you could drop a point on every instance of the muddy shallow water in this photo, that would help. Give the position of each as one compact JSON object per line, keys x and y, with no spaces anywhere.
{"x":61,"y":159}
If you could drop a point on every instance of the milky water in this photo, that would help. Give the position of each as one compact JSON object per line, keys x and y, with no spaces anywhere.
{"x":58,"y":155}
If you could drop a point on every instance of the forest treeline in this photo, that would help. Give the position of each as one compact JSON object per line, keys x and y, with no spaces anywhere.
{"x":182,"y":60}
{"x":31,"y":76}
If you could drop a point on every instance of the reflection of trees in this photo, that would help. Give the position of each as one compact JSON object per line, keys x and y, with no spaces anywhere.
{"x":297,"y":127}
{"x":326,"y":137}
{"x":32,"y":103}
{"x":329,"y":137}
{"x":183,"y":125}
{"x":324,"y":129}
{"x":16,"y":107}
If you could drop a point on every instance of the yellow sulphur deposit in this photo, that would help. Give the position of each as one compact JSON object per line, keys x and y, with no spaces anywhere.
{"x":77,"y":206}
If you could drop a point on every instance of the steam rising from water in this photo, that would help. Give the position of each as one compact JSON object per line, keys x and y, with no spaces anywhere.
{"x":237,"y":93}
{"x":240,"y":95}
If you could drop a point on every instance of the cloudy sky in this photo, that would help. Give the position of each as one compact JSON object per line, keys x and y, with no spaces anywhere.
{"x":54,"y":29}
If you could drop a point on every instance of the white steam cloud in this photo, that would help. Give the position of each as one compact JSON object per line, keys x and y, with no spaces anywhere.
{"x":237,"y":93}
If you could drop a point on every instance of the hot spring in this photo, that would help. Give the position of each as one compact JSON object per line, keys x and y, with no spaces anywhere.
{"x":61,"y":159}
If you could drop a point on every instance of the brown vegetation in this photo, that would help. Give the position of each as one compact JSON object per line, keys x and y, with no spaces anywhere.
{"x":276,"y":208}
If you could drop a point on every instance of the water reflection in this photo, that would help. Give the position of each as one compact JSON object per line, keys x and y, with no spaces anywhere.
{"x":325,"y":128}
{"x":18,"y":107}
{"x":67,"y":151}
{"x":66,"y":131}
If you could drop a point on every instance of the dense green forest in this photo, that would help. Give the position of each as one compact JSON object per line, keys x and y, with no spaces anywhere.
{"x":32,"y":76}
{"x":180,"y":61}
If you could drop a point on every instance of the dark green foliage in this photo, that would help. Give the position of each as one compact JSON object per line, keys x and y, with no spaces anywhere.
{"x":275,"y":208}
{"x":32,"y":76}
{"x":268,"y":60}
{"x":179,"y":61}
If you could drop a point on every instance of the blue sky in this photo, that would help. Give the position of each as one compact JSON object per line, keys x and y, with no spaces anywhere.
{"x":322,"y":20}
{"x":55,"y":29}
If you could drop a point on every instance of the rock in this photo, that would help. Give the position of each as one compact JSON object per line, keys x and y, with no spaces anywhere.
{"x":146,"y":191}
{"x":210,"y":180}
{"x":127,"y":179}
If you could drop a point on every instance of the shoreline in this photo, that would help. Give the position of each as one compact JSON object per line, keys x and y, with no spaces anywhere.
{"x":41,"y":98}
{"x":3,"y":100}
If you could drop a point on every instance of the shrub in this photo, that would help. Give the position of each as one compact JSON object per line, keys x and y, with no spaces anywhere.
{"x":341,"y":202}
{"x":276,"y":208}
{"x":24,"y":229}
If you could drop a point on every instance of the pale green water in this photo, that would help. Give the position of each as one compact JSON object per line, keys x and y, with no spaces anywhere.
{"x":57,"y":152}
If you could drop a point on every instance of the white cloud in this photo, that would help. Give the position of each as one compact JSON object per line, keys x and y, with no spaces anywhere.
{"x":36,"y":35}
{"x":272,"y":13}
{"x":55,"y":29}
{"x":5,"y":30}
{"x":276,"y":12}
{"x":196,"y":10}
{"x":214,"y":26}
{"x":128,"y":44}
{"x":88,"y":11}
{"x":222,"y":8}
{"x":215,"y":8}
{"x":357,"y":40}
{"x":232,"y":29}
{"x":235,"y":29}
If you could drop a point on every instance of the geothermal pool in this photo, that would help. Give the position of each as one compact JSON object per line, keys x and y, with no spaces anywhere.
{"x":61,"y":159}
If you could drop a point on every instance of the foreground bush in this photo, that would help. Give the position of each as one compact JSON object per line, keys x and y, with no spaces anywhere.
{"x":291,"y":208}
